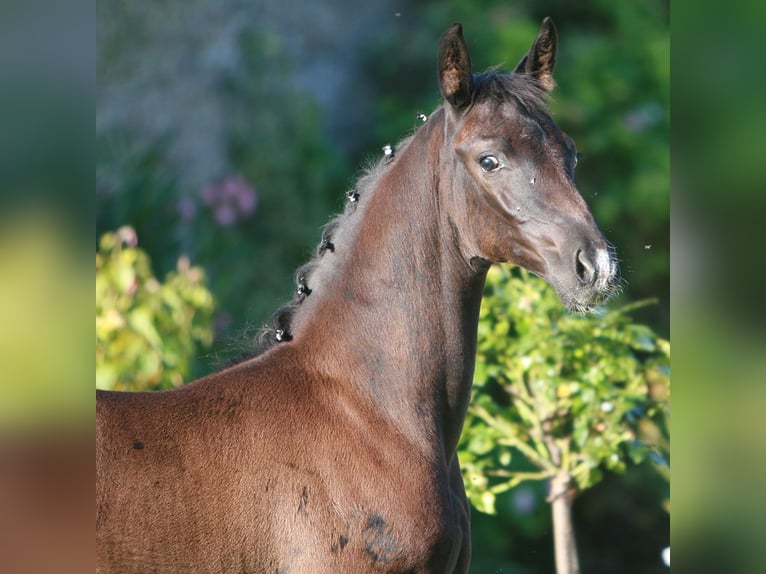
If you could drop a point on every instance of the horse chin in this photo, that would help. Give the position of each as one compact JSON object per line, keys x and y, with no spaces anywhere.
{"x":584,"y":301}
{"x":576,"y":306}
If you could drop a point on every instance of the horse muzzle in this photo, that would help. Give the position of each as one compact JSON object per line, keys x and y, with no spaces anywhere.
{"x":593,"y":278}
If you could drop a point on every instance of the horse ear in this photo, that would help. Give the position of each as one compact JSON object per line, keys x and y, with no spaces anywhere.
{"x":541,"y":58}
{"x":455,"y":67}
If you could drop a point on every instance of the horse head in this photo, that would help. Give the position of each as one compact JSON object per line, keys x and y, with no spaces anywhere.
{"x":511,"y":191}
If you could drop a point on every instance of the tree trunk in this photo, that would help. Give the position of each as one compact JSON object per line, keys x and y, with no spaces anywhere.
{"x":561,"y":497}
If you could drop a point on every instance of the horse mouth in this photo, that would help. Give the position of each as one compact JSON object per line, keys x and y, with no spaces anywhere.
{"x":578,"y":303}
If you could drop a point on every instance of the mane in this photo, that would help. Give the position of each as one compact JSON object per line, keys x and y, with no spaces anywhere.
{"x":491,"y":84}
{"x":279,"y":329}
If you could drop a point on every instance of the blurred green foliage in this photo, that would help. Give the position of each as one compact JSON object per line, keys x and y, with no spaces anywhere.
{"x":273,"y":141}
{"x":571,"y":393}
{"x":45,"y":293}
{"x":146,"y":332}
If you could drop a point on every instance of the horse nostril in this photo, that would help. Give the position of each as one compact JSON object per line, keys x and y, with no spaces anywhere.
{"x":584,"y":268}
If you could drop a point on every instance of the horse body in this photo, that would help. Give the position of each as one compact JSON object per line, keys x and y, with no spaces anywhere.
{"x":335,"y":450}
{"x":226,"y":496}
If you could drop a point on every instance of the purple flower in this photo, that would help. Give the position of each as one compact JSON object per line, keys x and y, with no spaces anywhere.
{"x":231,"y":200}
{"x":225,"y":215}
{"x":187,"y":208}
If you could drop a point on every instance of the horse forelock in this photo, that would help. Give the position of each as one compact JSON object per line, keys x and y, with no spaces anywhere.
{"x":501,"y":87}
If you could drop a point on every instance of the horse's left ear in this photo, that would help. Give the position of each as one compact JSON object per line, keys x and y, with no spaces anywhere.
{"x":541,"y":58}
{"x":455,"y":67}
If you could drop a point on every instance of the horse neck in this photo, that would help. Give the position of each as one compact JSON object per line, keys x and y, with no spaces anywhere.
{"x":396,"y":316}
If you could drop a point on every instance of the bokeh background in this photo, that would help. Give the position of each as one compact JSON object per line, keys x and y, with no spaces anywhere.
{"x":227,"y":133}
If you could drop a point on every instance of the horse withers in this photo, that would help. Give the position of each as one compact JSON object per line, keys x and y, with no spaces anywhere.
{"x":334,"y":450}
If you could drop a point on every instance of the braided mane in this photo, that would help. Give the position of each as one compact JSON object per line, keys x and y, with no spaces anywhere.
{"x":491,"y":84}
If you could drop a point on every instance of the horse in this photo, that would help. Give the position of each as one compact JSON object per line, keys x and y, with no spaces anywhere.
{"x":334,"y":449}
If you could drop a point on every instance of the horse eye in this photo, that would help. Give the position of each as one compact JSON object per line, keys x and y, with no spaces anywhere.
{"x":489,"y":163}
{"x":576,"y":159}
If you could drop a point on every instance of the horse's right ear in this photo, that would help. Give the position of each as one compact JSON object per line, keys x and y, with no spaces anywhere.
{"x":455,"y":67}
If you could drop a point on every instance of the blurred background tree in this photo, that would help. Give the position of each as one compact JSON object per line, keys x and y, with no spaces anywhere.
{"x":227,"y":132}
{"x":561,"y":398}
{"x":146,"y":331}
